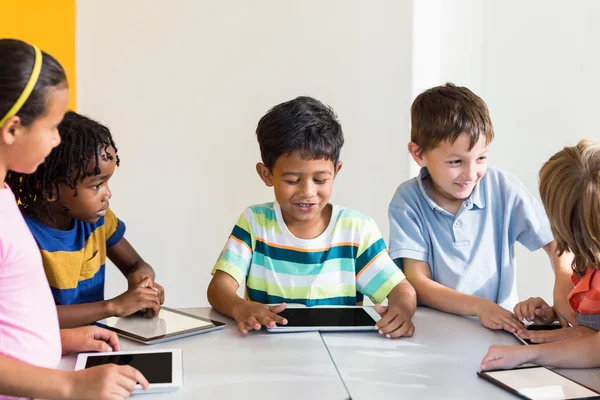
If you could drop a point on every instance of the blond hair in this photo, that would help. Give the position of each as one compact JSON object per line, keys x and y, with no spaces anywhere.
{"x":570,"y":191}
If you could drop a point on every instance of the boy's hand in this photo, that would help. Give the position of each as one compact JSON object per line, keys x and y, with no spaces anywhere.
{"x":395,"y":322}
{"x":492,"y":316}
{"x":557,"y":334}
{"x":135,"y":278}
{"x":253,"y":316}
{"x":141,"y":297}
{"x":535,"y":309}
{"x":108,"y":381}
{"x":88,"y":338}
{"x":504,"y":357}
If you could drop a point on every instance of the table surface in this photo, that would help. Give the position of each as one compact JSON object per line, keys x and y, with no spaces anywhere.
{"x":439,"y":362}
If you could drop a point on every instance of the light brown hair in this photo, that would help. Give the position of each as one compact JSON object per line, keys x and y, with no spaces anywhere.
{"x":570,"y":191}
{"x":444,"y":113}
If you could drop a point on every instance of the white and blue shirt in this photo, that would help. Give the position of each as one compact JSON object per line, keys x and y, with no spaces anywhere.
{"x":473,"y":251}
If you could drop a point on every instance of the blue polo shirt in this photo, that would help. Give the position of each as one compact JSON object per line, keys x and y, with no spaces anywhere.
{"x":473,"y":251}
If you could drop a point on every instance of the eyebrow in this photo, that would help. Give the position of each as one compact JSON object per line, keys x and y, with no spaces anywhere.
{"x":298,"y":173}
{"x":454,"y":155}
{"x":98,"y":178}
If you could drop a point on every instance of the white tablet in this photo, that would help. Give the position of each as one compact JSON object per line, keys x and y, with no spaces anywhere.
{"x":169,"y":324}
{"x":162,"y":368}
{"x":349,"y":318}
{"x":538,"y":383}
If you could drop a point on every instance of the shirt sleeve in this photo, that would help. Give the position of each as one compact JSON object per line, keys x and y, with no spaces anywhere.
{"x":529,"y":223}
{"x":406,"y":233}
{"x":114,"y":228}
{"x":236,"y":256}
{"x":376,"y":273}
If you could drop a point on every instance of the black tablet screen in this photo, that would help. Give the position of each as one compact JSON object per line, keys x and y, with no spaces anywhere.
{"x":327,"y":317}
{"x":536,"y":327}
{"x":156,"y":367}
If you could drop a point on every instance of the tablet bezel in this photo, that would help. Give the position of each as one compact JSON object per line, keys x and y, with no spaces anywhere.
{"x":369,"y":310}
{"x":176,"y":368}
{"x":174,"y":335}
{"x":484,"y":375}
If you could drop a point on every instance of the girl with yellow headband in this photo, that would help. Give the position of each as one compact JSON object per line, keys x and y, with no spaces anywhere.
{"x":33,"y":101}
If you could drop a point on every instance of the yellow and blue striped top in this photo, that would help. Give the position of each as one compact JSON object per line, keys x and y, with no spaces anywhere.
{"x":347,"y":261}
{"x":74,"y":260}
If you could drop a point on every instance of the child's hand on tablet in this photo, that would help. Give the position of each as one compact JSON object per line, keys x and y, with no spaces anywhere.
{"x":251,"y":316}
{"x":556,"y":335}
{"x":88,"y":338}
{"x":137,"y":277}
{"x":395,"y":321}
{"x":505,"y":357}
{"x":141,"y":297}
{"x":535,"y":309}
{"x":108,"y":381}
{"x":492,"y":316}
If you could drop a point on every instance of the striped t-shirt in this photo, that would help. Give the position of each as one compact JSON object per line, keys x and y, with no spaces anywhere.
{"x":347,"y":261}
{"x":74,"y":260}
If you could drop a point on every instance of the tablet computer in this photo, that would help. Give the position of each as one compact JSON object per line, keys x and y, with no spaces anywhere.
{"x":162,"y":368}
{"x":328,"y":319}
{"x":169,"y":324}
{"x":536,"y":383}
{"x":538,"y":327}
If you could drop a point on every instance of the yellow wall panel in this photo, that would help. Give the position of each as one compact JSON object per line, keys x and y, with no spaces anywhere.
{"x":49,"y":24}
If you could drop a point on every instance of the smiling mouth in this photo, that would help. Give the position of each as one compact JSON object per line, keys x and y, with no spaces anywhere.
{"x":304,"y":205}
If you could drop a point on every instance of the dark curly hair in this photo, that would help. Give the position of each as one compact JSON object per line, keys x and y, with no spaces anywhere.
{"x":81,"y":141}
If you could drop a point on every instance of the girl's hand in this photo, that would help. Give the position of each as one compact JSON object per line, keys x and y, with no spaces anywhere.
{"x":88,"y":338}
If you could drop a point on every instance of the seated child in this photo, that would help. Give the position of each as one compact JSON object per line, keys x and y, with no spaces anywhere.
{"x":453,"y":228}
{"x":570,"y":191}
{"x":33,"y":101}
{"x":65,"y":204}
{"x":300,"y":248}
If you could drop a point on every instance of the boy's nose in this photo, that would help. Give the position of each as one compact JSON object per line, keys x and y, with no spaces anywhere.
{"x":307,"y":190}
{"x":471,"y":174}
{"x":108,"y":193}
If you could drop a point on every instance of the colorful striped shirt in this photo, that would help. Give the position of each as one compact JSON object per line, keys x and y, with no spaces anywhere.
{"x":74,"y":260}
{"x":347,"y":261}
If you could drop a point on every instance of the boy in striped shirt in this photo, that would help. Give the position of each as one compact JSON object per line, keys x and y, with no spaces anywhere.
{"x":300,"y":248}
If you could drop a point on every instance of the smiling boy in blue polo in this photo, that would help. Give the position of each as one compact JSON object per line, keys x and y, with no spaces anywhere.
{"x":453,"y":228}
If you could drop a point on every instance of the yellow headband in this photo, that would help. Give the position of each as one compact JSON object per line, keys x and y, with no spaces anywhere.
{"x":35,"y":74}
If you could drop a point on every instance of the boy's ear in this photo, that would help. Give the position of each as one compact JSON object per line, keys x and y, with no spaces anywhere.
{"x":51,"y":195}
{"x":8,"y":131}
{"x":417,"y":154}
{"x":337,"y":169}
{"x":264,"y":174}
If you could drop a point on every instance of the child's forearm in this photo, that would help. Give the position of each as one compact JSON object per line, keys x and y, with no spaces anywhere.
{"x":73,"y":316}
{"x":404,"y":296}
{"x":582,"y":352}
{"x":222,"y":297}
{"x":20,"y":379}
{"x":440,"y":297}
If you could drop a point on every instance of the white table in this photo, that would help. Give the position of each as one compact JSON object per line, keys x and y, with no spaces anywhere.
{"x":439,"y":362}
{"x":225,"y":365}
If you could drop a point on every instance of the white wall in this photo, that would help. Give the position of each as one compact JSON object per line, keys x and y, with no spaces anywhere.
{"x":182,"y":86}
{"x":536,"y":65}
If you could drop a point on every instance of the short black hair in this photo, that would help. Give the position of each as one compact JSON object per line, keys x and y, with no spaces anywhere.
{"x":303,"y":126}
{"x":16,"y":63}
{"x":81,"y":138}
